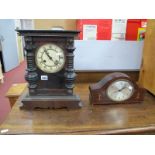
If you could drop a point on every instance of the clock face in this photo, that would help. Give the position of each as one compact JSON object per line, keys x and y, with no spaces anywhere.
{"x":120,"y":90}
{"x":50,"y":58}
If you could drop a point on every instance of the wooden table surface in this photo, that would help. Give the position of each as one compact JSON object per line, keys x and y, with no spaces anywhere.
{"x":16,"y":89}
{"x":107,"y":119}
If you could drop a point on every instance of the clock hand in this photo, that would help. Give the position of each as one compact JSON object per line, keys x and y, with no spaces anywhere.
{"x":122,"y":89}
{"x":48,"y":55}
{"x":119,"y":90}
{"x":56,"y":62}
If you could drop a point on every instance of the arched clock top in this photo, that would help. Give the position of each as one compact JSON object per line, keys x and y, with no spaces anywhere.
{"x":116,"y":88}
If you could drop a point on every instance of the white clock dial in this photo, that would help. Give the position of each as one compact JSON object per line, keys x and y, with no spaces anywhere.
{"x":120,"y":90}
{"x":50,"y":58}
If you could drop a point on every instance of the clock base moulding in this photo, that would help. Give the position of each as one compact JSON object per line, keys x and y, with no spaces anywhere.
{"x":50,"y":102}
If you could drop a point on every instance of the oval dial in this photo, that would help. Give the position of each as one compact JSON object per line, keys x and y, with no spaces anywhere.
{"x":50,"y":58}
{"x":120,"y":90}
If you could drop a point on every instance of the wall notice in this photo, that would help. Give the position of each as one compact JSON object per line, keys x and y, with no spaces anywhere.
{"x":119,"y":29}
{"x":89,"y":32}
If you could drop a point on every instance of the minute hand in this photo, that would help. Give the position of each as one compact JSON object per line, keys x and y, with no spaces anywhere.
{"x":48,"y":55}
{"x":122,"y":88}
{"x":119,"y":90}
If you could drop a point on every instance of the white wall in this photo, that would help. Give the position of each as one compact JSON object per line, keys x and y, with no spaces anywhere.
{"x":108,"y":55}
{"x":9,"y":44}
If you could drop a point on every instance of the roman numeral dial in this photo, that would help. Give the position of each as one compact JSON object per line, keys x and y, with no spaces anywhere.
{"x":50,"y":58}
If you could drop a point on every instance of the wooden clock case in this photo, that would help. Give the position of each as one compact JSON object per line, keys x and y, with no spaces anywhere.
{"x":98,"y":94}
{"x":57,"y":91}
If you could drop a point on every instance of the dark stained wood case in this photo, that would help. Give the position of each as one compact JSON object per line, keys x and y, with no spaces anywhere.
{"x":60,"y":84}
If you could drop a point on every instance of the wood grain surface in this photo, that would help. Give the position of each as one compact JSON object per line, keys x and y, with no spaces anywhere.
{"x":102,"y":119}
{"x":14,"y":92}
{"x":147,"y":72}
{"x":16,"y":89}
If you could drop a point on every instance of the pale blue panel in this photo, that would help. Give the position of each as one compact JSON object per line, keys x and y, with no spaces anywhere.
{"x":9,"y":45}
{"x":108,"y":55}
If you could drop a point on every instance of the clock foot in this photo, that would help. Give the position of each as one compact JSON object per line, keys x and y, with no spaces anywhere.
{"x":50,"y":102}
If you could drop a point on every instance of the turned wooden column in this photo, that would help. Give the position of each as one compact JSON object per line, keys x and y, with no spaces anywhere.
{"x":70,"y":74}
{"x":31,"y":75}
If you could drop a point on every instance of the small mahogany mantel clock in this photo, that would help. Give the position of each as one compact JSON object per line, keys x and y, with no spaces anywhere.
{"x":116,"y":88}
{"x":50,"y":69}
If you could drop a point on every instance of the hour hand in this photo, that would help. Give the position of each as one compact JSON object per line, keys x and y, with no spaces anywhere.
{"x":56,"y":62}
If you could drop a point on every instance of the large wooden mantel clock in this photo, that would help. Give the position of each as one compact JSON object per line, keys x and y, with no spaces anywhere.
{"x":50,"y":69}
